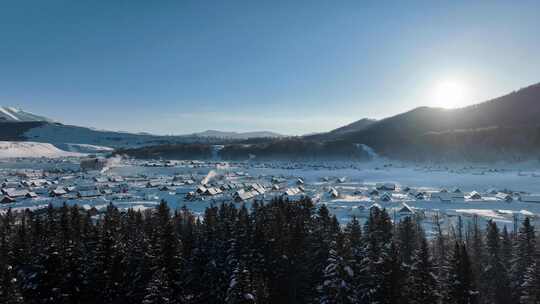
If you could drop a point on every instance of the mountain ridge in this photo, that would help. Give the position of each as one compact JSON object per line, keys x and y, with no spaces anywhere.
{"x":406,"y":134}
{"x":237,"y":135}
{"x":13,"y":114}
{"x":504,"y":127}
{"x":19,"y":125}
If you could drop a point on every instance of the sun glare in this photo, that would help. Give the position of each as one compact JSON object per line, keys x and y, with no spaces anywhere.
{"x":449,"y":94}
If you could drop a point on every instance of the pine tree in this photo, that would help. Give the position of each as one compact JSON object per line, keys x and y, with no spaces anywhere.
{"x":495,"y":280}
{"x":260,"y":251}
{"x":21,"y":244}
{"x":407,"y":238}
{"x":506,"y":249}
{"x":374,"y":266}
{"x":530,"y":291}
{"x":89,"y":240}
{"x":391,"y":290}
{"x":461,"y":282}
{"x":240,"y":290}
{"x":185,"y":226}
{"x":323,"y":234}
{"x":338,"y":283}
{"x":107,"y":259}
{"x":441,"y":249}
{"x":523,"y":257}
{"x":422,"y":284}
{"x":166,"y":248}
{"x":353,"y":232}
{"x":476,"y":250}
{"x":158,"y":291}
{"x":138,"y":258}
{"x":207,"y":278}
{"x":9,"y":286}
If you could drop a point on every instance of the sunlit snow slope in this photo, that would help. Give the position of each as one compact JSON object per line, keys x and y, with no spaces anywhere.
{"x":12,"y":149}
{"x":11,"y":114}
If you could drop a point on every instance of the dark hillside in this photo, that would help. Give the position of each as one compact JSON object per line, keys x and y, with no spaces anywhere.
{"x":405,"y":132}
{"x":172,"y":151}
{"x":14,"y":131}
{"x":295,"y":149}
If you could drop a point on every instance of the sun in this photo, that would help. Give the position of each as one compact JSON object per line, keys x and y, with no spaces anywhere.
{"x":449,"y":94}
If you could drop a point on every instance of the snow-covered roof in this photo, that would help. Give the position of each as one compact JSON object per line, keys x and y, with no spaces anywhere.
{"x":405,"y":208}
{"x":504,"y":196}
{"x":386,"y":197}
{"x":375,"y":205}
{"x":333,"y":192}
{"x":475,"y":195}
{"x":292,"y":191}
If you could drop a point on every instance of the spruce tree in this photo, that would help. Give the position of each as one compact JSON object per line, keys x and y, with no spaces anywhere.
{"x":506,"y":250}
{"x":461,"y":283}
{"x":166,"y":248}
{"x":530,"y":289}
{"x":374,"y":262}
{"x":523,"y":258}
{"x":495,"y":280}
{"x":393,"y":279}
{"x":407,"y":238}
{"x":476,"y":249}
{"x":338,"y":282}
{"x":422,"y":284}
{"x":10,"y":292}
{"x":157,"y":291}
{"x":240,"y":290}
{"x":138,"y":259}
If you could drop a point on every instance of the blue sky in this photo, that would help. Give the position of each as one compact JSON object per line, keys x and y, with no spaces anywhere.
{"x":173,"y":67}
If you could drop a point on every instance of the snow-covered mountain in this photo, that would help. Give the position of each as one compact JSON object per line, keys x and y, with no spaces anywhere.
{"x":504,"y":128}
{"x":18,"y":125}
{"x":12,"y":114}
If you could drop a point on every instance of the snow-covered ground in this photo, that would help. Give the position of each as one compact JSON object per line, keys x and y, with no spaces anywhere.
{"x":83,"y":148}
{"x":348,"y":189}
{"x":17,"y":149}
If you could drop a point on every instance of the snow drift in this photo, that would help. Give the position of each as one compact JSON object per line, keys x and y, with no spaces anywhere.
{"x":13,"y":149}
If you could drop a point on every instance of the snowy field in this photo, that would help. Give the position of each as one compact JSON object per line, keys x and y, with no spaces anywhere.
{"x":15,"y":149}
{"x":504,"y":193}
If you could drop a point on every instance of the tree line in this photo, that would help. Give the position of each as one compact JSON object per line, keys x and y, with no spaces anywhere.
{"x":277,"y":252}
{"x":294,"y":148}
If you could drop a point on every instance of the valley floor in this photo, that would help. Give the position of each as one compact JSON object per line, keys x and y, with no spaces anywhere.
{"x":503,"y":193}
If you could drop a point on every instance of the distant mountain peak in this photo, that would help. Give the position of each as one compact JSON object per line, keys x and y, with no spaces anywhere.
{"x":13,"y":114}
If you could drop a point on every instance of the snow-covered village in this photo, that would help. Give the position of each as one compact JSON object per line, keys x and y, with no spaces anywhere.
{"x":434,"y":203}
{"x":348,"y":189}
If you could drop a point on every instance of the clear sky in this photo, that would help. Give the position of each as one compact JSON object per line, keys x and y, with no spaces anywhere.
{"x":173,"y":67}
